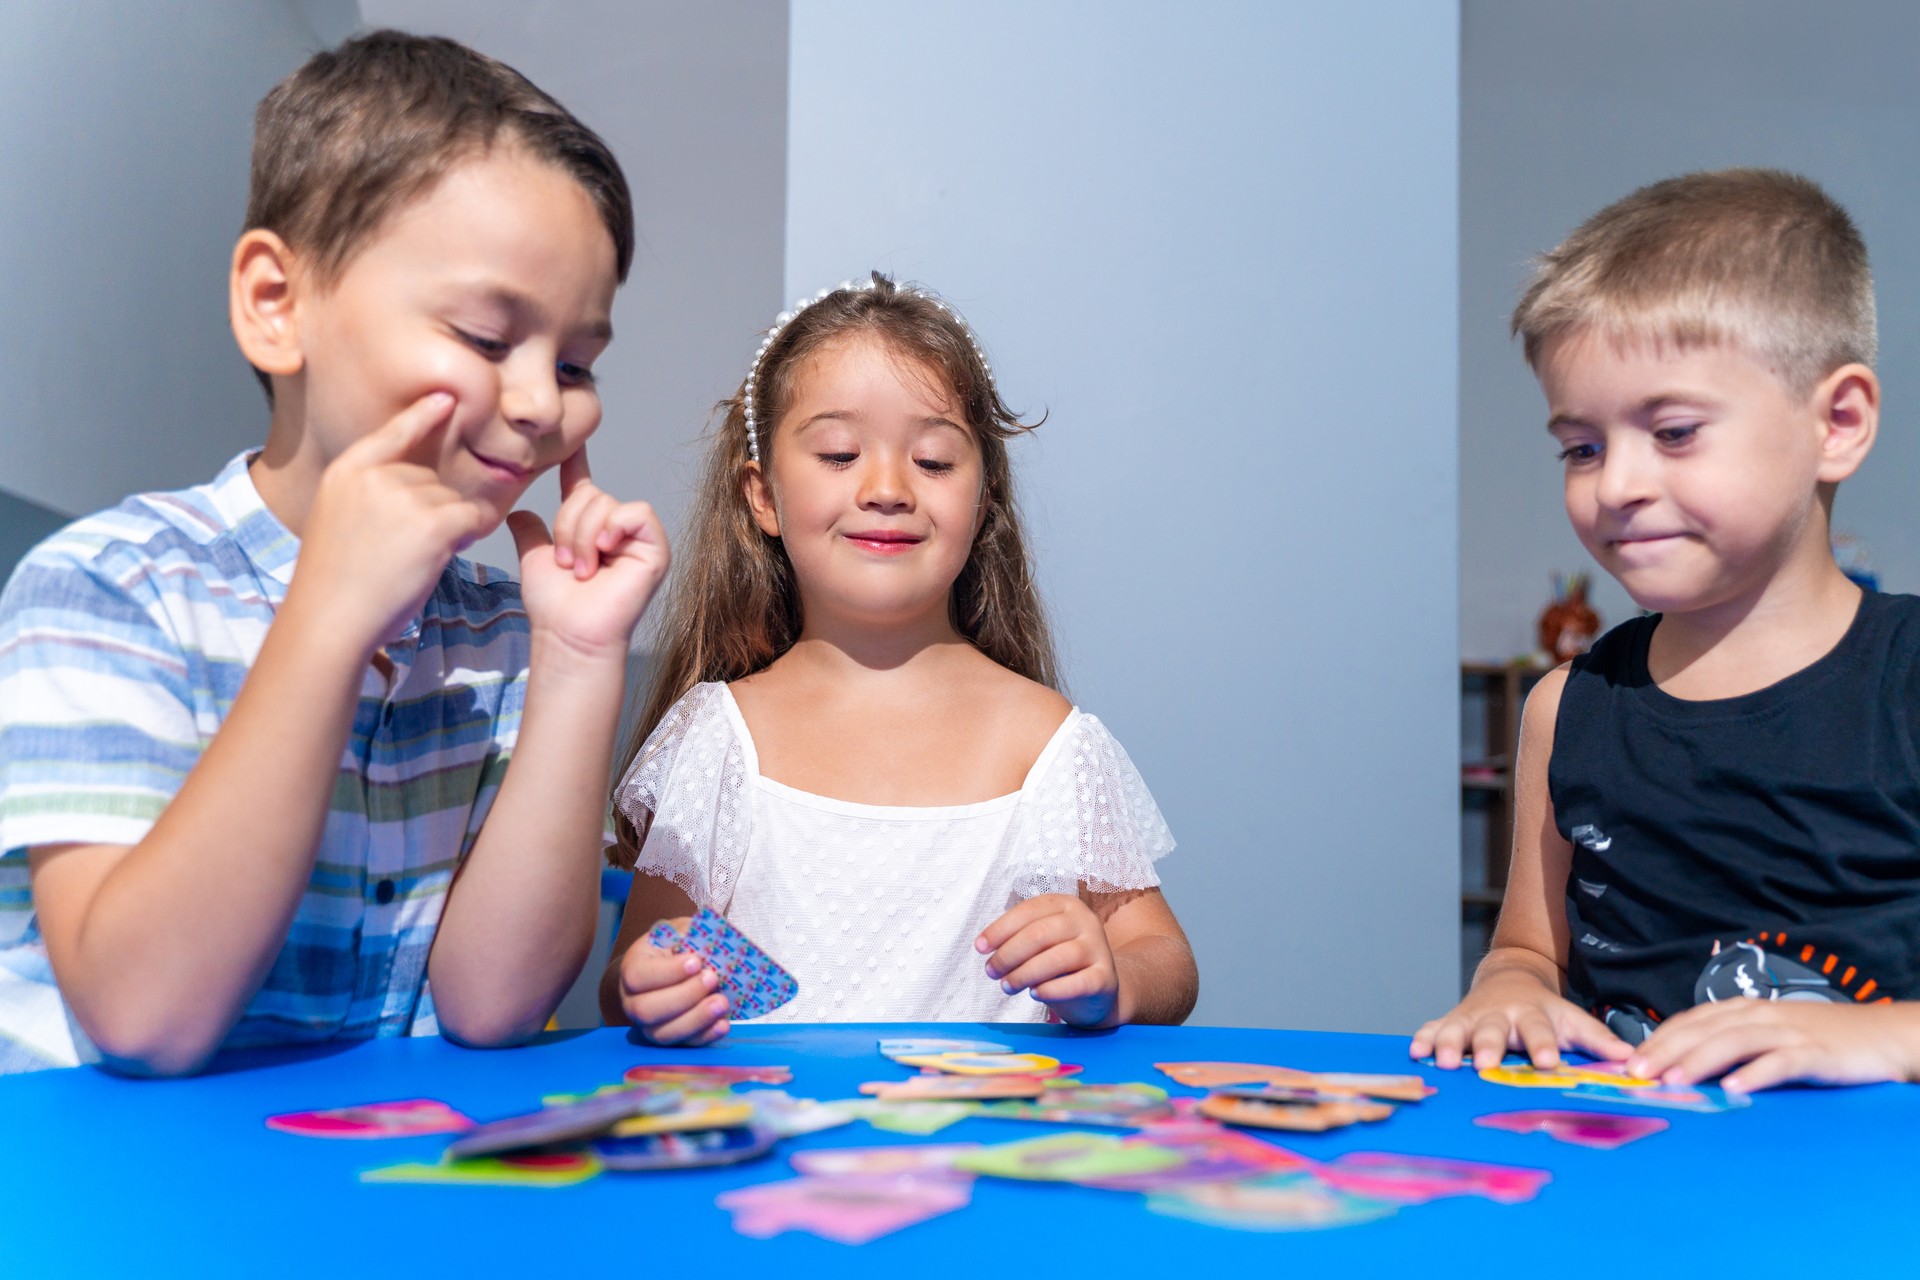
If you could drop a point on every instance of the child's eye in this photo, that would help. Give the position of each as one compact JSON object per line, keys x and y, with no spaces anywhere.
{"x":575,"y":375}
{"x":837,"y":459}
{"x":934,"y":467}
{"x":1575,"y":454}
{"x":1676,"y":435}
{"x":492,"y":348}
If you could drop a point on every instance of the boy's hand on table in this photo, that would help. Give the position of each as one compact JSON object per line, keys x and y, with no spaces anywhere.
{"x":382,"y":527}
{"x":672,"y":997}
{"x":1513,"y":1010}
{"x":1773,"y":1041}
{"x":590,"y":580}
{"x":1055,"y":946}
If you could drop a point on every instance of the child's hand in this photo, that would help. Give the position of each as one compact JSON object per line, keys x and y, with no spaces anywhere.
{"x":670,"y":996}
{"x":1774,"y":1041}
{"x":1514,"y":1010}
{"x":591,"y":580}
{"x":382,"y":527}
{"x":1055,"y":947}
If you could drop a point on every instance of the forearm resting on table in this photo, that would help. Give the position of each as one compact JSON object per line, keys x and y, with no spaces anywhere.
{"x":519,"y":920}
{"x":1519,"y":961}
{"x":158,"y":946}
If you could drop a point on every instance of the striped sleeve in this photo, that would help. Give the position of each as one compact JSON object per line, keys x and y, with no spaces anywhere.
{"x":97,"y":722}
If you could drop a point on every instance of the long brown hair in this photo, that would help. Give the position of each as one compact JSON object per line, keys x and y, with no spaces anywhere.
{"x":733,"y":607}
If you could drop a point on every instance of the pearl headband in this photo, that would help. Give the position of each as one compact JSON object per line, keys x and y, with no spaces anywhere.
{"x":785,"y":318}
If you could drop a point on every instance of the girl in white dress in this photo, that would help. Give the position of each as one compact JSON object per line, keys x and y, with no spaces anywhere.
{"x":853,"y":747}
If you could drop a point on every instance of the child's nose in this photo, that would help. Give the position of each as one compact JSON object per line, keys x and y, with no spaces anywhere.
{"x":530,"y":398}
{"x":1626,"y":477}
{"x":883,"y":485}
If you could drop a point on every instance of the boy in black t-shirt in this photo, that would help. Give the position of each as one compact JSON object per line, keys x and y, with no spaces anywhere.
{"x":1716,"y":862}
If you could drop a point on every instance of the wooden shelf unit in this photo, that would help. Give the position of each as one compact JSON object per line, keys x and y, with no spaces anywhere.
{"x":1502,"y":689}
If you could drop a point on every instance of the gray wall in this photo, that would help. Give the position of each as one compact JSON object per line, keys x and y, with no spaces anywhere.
{"x":1567,"y":105}
{"x":693,"y":99}
{"x":1218,"y":244}
{"x":124,"y":132}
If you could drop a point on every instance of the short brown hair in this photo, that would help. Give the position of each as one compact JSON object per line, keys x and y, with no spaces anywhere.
{"x":360,"y":131}
{"x":734,"y":606}
{"x":1756,"y":258}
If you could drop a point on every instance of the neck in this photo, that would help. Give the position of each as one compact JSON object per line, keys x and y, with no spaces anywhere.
{"x":847,"y":649}
{"x":287,"y":470}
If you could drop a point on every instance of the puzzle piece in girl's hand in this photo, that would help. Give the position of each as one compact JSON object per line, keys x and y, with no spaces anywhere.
{"x":851,"y":1210}
{"x":1599,"y":1130}
{"x":406,"y":1119}
{"x":753,"y":983}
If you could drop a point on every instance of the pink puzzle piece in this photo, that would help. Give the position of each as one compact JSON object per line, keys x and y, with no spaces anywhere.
{"x":1418,"y":1179}
{"x":405,"y":1119}
{"x":851,"y":1210}
{"x":1594,"y":1129}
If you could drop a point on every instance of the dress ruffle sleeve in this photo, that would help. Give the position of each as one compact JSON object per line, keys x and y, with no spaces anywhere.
{"x":1091,"y":822}
{"x":685,"y":789}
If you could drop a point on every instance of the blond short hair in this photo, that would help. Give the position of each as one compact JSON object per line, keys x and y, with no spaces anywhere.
{"x":1754,"y":258}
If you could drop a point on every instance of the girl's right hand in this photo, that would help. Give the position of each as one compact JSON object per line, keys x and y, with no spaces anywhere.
{"x":671,"y":996}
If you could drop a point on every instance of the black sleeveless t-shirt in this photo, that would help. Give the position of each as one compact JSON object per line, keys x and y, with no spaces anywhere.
{"x":1765,"y":846}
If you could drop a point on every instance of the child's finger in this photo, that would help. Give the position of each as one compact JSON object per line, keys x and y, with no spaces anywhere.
{"x":657,"y":1006}
{"x":1013,"y":920}
{"x":1490,"y":1039}
{"x":566,"y":520}
{"x":646,"y":968}
{"x":1035,"y":936}
{"x":403,"y":433}
{"x":630,"y":522}
{"x":1722,"y":1053}
{"x":584,"y":537}
{"x":1585,"y":1032}
{"x":1065,"y":958}
{"x":529,"y":533}
{"x":1538,"y":1040}
{"x":695,"y":1022}
{"x":1778,"y":1066}
{"x":1422,"y":1043}
{"x":573,"y":470}
{"x":1077,"y":985}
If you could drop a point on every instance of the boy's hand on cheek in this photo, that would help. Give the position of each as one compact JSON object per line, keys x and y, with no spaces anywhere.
{"x":672,"y":997}
{"x":1773,"y":1041}
{"x":382,"y":526}
{"x":1055,"y":947}
{"x":590,"y":580}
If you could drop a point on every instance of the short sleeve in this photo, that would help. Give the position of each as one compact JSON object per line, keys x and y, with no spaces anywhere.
{"x":97,"y":715}
{"x":1091,"y":820}
{"x":685,"y":789}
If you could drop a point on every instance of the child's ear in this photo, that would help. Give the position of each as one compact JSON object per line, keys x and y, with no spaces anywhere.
{"x":260,"y":298}
{"x":1847,"y":402}
{"x":760,"y":499}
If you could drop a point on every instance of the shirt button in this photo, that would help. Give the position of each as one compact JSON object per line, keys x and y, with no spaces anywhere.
{"x":383,"y":892}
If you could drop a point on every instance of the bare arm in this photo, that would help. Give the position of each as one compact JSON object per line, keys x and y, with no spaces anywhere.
{"x":1518,"y":996}
{"x":1159,"y":981}
{"x":651,"y":900}
{"x":519,"y":920}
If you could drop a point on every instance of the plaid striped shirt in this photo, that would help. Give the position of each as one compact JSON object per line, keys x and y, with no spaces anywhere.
{"x":123,"y":642}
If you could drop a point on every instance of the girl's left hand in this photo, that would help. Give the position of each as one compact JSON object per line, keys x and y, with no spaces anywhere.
{"x":1055,"y":947}
{"x":588,"y":583}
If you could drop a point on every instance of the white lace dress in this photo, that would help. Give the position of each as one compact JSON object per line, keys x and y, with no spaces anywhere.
{"x":873,"y":908}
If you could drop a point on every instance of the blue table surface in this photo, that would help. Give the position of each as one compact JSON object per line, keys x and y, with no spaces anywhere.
{"x":109,"y":1176}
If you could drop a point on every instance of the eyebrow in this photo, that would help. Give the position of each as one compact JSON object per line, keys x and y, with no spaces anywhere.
{"x":1651,"y":405}
{"x":517,"y":303}
{"x":854,"y":415}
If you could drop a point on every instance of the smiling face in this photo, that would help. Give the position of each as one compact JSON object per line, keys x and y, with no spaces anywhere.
{"x":497,"y":287}
{"x":1694,"y":477}
{"x":873,"y":483}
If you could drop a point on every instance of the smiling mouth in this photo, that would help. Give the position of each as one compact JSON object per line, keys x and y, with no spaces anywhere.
{"x":506,"y":470}
{"x":884,"y":541}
